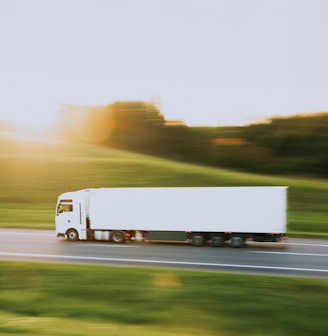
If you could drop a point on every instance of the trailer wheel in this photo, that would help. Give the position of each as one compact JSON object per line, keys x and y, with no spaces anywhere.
{"x":72,"y":235}
{"x":217,"y":241}
{"x":237,"y":240}
{"x":198,"y":240}
{"x":118,"y":237}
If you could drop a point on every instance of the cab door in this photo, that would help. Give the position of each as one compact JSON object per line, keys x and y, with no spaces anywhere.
{"x":68,"y":215}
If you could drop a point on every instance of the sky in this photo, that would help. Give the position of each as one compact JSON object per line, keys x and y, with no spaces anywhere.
{"x":206,"y":62}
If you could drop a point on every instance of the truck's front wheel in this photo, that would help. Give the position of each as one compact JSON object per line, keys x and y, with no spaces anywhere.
{"x":118,"y":237}
{"x":72,"y":235}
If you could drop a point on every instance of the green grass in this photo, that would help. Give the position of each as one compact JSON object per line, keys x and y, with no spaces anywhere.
{"x":33,"y":174}
{"x":51,"y":299}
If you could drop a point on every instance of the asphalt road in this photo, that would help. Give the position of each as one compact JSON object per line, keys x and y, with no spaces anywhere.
{"x":296,"y":257}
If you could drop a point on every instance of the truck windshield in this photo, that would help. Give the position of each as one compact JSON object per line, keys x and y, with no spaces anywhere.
{"x":64,"y":207}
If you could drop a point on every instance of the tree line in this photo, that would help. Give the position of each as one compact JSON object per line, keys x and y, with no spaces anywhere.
{"x":295,"y":145}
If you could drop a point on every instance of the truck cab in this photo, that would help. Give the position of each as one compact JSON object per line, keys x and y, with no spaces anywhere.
{"x":71,"y":216}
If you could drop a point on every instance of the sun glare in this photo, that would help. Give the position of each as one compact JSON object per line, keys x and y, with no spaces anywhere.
{"x":39,"y":123}
{"x":31,"y":125}
{"x":36,"y":123}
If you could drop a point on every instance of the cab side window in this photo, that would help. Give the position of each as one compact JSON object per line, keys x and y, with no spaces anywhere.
{"x":65,"y":207}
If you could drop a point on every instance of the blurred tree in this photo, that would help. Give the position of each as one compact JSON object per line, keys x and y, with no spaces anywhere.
{"x":136,"y":125}
{"x":176,"y":141}
{"x":293,"y":145}
{"x":298,"y":144}
{"x":132,"y":125}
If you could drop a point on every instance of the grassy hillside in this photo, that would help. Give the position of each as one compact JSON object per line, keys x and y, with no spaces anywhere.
{"x":50,"y":299}
{"x":34,"y":173}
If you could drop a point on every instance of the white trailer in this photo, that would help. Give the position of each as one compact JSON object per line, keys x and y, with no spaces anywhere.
{"x":199,"y":215}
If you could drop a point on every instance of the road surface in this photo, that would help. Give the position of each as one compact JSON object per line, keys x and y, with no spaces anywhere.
{"x":296,"y":257}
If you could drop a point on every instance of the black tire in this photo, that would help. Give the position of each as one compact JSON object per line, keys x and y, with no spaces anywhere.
{"x":217,"y":240}
{"x":72,"y":235}
{"x":118,"y":237}
{"x":198,"y":240}
{"x":237,"y":241}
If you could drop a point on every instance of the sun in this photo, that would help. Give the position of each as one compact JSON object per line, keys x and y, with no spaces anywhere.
{"x":27,"y":127}
{"x":30,"y":114}
{"x":37,"y":121}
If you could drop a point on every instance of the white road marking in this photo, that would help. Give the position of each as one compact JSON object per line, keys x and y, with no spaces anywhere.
{"x":168,"y":262}
{"x":292,"y":253}
{"x":252,"y":243}
{"x":307,"y":244}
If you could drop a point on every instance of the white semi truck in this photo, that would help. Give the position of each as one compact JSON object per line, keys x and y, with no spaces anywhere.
{"x":199,"y":215}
